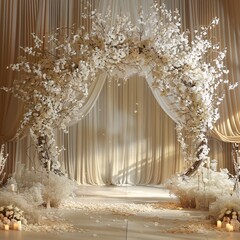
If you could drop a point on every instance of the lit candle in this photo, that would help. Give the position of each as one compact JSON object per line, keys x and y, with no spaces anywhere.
{"x":227,"y":226}
{"x":219,"y":224}
{"x":6,"y":227}
{"x":15,"y":226}
{"x":230,"y":228}
{"x":19,"y":225}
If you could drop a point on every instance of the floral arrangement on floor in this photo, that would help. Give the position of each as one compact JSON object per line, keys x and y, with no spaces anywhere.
{"x":39,"y":187}
{"x":11,"y":217}
{"x":58,"y":70}
{"x":202,"y":189}
{"x":225,"y":211}
{"x":29,"y":211}
{"x":24,"y":198}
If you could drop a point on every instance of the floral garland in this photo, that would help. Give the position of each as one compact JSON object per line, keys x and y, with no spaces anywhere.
{"x":55,"y":80}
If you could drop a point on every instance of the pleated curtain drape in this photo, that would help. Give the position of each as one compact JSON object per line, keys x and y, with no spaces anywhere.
{"x":124,"y":136}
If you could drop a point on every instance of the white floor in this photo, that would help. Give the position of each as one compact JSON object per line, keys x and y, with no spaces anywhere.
{"x":121,"y":213}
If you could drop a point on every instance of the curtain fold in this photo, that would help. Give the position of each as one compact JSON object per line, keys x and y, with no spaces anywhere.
{"x":228,"y":127}
{"x":94,"y":92}
{"x":125,"y":137}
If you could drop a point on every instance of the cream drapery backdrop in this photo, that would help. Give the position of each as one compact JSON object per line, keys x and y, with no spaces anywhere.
{"x":125,"y":137}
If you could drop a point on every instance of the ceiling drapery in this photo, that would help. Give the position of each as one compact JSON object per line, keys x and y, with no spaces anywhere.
{"x":126,"y":137}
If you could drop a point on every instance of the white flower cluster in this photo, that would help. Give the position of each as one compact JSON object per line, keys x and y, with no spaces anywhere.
{"x":54,"y":81}
{"x":38,"y":187}
{"x":205,"y":187}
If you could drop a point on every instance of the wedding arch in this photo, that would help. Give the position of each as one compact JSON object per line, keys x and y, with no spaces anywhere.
{"x":55,"y":76}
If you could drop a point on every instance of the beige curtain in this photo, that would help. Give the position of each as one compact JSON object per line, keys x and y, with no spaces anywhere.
{"x":228,"y":128}
{"x":126,"y":137}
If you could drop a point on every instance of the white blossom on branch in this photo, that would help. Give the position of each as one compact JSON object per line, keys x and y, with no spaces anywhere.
{"x":55,"y":78}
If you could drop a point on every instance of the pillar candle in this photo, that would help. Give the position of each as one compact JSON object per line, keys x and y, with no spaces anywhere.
{"x":15,"y":226}
{"x":6,"y":227}
{"x":19,"y":225}
{"x":219,"y":224}
{"x":227,"y":226}
{"x":230,"y":228}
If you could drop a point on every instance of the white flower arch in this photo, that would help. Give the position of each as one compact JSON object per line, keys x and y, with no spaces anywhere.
{"x":55,"y":80}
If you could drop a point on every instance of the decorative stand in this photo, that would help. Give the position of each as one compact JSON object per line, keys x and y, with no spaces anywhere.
{"x":236,"y":164}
